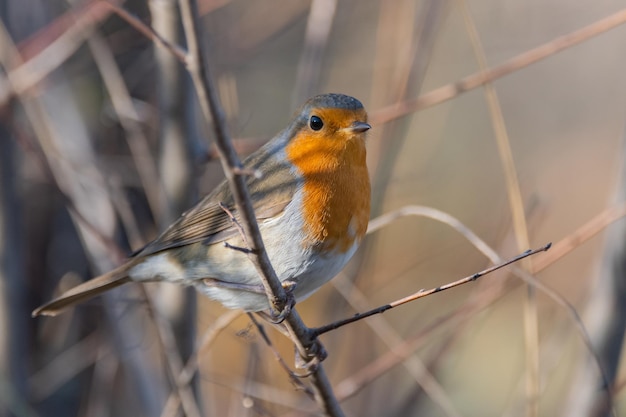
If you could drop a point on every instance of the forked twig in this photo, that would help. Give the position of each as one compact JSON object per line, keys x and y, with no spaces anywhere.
{"x":293,"y":377}
{"x":236,"y":223}
{"x":423,"y":293}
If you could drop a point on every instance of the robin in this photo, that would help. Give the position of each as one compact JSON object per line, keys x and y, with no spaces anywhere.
{"x":312,"y":204}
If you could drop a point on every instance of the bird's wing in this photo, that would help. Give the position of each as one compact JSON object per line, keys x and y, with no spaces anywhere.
{"x":209,"y":223}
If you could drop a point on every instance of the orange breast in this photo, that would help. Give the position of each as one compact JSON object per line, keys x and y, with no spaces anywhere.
{"x":336,"y":193}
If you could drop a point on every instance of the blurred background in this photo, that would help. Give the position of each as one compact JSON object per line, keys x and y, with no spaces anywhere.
{"x":102,"y":146}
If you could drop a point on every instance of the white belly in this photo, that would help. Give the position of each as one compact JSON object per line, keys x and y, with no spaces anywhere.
{"x":291,"y":260}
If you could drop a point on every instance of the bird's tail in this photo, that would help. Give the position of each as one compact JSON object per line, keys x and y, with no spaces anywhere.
{"x":85,"y":291}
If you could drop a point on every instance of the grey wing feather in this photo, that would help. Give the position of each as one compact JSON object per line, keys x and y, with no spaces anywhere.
{"x":207,"y":222}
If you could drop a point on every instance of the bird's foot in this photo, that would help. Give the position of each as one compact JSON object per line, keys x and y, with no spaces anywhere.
{"x":314,"y":356}
{"x":278,"y":317}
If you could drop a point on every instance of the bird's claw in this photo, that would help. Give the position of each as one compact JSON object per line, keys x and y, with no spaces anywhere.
{"x":315,"y":355}
{"x":277,"y":317}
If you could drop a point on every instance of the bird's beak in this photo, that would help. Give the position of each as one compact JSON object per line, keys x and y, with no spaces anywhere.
{"x":359,"y":127}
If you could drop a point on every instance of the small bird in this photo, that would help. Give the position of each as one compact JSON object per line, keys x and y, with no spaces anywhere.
{"x":311,"y":201}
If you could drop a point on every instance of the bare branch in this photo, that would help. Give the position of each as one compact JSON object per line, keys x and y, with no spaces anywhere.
{"x":211,"y":109}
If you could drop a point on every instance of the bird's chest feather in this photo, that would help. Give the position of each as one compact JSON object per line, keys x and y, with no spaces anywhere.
{"x":335,"y":193}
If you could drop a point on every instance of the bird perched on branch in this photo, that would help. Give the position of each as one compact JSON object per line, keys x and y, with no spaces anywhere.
{"x":311,"y":201}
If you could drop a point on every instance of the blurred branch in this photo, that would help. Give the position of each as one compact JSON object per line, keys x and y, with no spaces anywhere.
{"x":103,"y":382}
{"x":64,"y":142}
{"x":76,"y":26}
{"x":318,"y":28}
{"x":146,"y":30}
{"x":399,"y":353}
{"x":67,"y":365}
{"x":585,"y":232}
{"x":308,"y":346}
{"x":128,"y":118}
{"x":266,"y":392}
{"x":293,"y":377}
{"x":207,"y":340}
{"x":418,"y":365}
{"x":138,"y":144}
{"x":414,"y":365}
{"x":13,"y":284}
{"x":449,"y":91}
{"x":177,"y":162}
{"x":173,"y":362}
{"x":606,"y":317}
{"x":387,"y":218}
{"x":420,"y":22}
{"x":516,"y":204}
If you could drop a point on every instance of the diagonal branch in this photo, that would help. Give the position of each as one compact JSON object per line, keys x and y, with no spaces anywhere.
{"x":306,"y":343}
{"x":212,"y":110}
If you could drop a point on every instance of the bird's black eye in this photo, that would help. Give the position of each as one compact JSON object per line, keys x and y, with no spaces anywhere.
{"x":316,"y":123}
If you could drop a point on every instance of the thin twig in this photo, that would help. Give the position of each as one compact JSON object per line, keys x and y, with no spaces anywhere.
{"x":208,"y":338}
{"x":235,"y":222}
{"x":387,"y":361}
{"x":424,"y":293}
{"x":262,"y":391}
{"x":187,"y":373}
{"x":398,"y":354}
{"x":174,"y":365}
{"x":449,"y":91}
{"x":293,"y":377}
